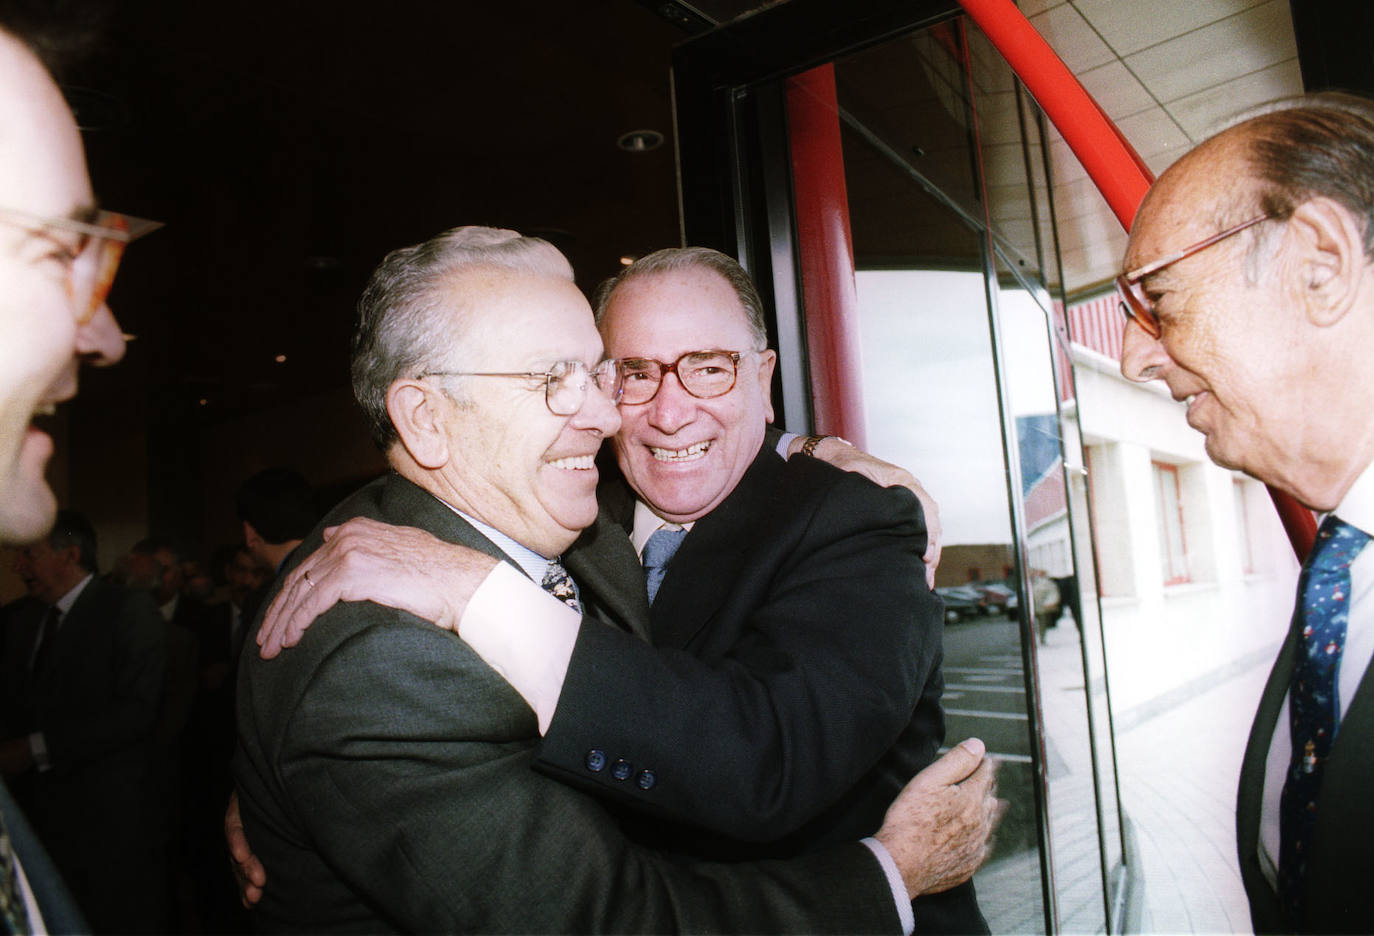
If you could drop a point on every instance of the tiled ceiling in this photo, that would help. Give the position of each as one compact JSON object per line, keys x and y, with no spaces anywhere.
{"x":1169,"y":73}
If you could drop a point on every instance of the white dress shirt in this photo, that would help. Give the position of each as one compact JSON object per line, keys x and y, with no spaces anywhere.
{"x":1357,"y":509}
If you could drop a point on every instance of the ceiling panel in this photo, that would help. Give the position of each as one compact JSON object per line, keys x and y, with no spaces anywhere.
{"x":1071,"y":37}
{"x":1202,"y":114}
{"x":1226,"y":50}
{"x":1131,"y":26}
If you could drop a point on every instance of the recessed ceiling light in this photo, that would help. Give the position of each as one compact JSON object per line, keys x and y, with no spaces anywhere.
{"x":627,"y":259}
{"x":204,"y":402}
{"x":280,"y":359}
{"x":640,"y":141}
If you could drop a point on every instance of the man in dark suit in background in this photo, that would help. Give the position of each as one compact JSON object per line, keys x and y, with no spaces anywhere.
{"x":401,"y":757}
{"x":1250,"y":293}
{"x":793,"y":681}
{"x":82,"y":679}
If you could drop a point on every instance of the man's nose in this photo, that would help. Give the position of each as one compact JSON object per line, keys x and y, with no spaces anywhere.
{"x":1142,"y":357}
{"x":100,"y":341}
{"x":672,"y":407}
{"x":598,"y":412}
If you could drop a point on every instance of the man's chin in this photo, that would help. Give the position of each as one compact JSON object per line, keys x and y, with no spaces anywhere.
{"x":27,"y":511}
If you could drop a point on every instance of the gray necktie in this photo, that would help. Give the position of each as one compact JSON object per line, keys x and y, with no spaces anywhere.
{"x":657,"y":552}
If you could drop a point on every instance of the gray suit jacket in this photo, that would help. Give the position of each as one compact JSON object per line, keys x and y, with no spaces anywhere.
{"x":384,"y":778}
{"x":1339,"y":898}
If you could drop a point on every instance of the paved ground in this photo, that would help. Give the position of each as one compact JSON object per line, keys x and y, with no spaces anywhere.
{"x":1177,"y":769}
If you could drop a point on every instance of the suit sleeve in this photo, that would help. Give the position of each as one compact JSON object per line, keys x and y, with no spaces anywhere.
{"x":421,"y":798}
{"x":138,"y":652}
{"x":841,"y":637}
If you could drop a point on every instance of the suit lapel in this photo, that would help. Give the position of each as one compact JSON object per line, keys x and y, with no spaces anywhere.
{"x":609,"y":576}
{"x":700,"y":575}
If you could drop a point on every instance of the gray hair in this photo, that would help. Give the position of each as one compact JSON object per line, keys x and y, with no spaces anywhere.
{"x":404,"y":315}
{"x":674,"y":259}
{"x":1317,"y":145}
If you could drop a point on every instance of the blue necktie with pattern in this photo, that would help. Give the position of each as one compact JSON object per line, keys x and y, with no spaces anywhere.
{"x":560,"y":584}
{"x":657,"y":551}
{"x":1314,"y":695}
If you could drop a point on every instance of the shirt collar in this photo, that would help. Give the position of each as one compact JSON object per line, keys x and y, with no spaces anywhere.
{"x":1357,"y":508}
{"x":64,"y":604}
{"x":647,"y":523}
{"x":529,"y":561}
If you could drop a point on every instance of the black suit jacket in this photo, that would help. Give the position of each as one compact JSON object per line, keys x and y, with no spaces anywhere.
{"x":384,"y":780}
{"x":55,"y":903}
{"x":794,"y":683}
{"x":1339,"y":898}
{"x":96,"y":703}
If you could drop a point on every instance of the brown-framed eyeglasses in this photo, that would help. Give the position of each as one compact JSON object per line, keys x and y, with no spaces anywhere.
{"x":703,"y":374}
{"x":1136,"y":306}
{"x":93,"y":259}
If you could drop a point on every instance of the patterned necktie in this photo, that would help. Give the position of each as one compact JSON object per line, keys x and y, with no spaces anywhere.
{"x":1314,"y":695}
{"x":657,"y":551}
{"x":560,"y":584}
{"x":12,"y":909}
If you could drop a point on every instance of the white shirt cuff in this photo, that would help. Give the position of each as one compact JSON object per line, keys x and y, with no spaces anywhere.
{"x":894,"y":881}
{"x":784,"y":442}
{"x":525,"y":634}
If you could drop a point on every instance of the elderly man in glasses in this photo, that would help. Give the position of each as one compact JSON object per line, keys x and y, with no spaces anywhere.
{"x":1264,"y":330}
{"x":785,"y":682}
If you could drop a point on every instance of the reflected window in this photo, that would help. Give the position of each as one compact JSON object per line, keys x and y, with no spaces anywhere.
{"x":1173,"y":556}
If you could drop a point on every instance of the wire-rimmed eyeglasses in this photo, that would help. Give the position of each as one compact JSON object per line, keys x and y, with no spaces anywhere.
{"x":565,"y":383}
{"x":1136,"y":306}
{"x":703,"y":374}
{"x":93,"y":259}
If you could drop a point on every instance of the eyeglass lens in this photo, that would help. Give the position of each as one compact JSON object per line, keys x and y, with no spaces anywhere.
{"x":566,"y":388}
{"x":703,"y":374}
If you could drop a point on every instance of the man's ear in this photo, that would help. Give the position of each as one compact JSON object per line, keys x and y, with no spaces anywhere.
{"x":767,"y":361}
{"x":1330,"y":264}
{"x":417,"y":411}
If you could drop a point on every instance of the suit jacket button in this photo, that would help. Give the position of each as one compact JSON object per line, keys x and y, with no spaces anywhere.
{"x":621,"y":769}
{"x":646,"y":779}
{"x":596,"y":760}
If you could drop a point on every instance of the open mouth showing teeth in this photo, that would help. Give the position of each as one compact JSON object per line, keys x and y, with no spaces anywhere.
{"x":690,"y":453}
{"x":574,"y":463}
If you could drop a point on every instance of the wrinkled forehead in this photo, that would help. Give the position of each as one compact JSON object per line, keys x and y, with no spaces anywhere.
{"x":675,"y":311}
{"x":1192,"y":200}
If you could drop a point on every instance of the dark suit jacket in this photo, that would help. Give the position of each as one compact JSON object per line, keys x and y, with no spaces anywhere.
{"x":96,"y":704}
{"x":1339,"y":898}
{"x":60,"y":912}
{"x":794,"y":683}
{"x":384,"y":779}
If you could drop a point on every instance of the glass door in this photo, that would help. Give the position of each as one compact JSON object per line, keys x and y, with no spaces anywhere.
{"x":922,"y":297}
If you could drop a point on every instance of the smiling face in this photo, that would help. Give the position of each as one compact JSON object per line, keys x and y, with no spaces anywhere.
{"x":1229,"y":346}
{"x":42,"y":172}
{"x":515,"y":465}
{"x":681,"y":454}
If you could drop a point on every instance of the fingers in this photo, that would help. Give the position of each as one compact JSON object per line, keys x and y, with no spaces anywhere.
{"x":248,"y":870}
{"x":958,"y":764}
